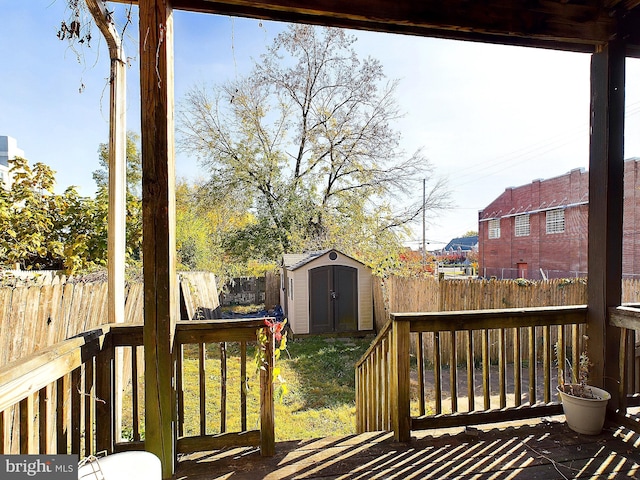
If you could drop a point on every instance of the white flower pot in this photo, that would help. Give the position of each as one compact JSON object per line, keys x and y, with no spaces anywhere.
{"x":136,"y":465}
{"x":585,"y":415}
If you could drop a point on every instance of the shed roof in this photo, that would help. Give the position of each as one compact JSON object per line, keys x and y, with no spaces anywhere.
{"x":294,"y":261}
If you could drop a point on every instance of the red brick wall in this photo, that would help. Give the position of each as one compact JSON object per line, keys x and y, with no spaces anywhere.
{"x":631,"y":219}
{"x":558,"y":254}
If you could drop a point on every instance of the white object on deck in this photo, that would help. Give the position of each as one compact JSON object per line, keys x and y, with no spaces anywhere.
{"x":122,"y":466}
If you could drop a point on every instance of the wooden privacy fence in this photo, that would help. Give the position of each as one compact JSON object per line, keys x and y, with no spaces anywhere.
{"x":476,"y":391}
{"x":63,"y":398}
{"x":399,"y":295}
{"x":34,"y":317}
{"x":428,"y":294}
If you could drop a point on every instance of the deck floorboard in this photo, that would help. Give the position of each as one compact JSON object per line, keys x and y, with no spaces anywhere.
{"x":545,"y":450}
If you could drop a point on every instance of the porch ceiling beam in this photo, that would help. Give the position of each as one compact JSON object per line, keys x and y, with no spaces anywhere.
{"x":555,"y":24}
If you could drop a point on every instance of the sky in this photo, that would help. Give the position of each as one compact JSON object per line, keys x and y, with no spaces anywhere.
{"x":488,"y":117}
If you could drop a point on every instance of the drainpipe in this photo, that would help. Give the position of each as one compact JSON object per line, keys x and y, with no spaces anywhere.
{"x":117,"y":161}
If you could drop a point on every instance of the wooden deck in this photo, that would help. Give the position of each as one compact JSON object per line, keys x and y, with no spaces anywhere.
{"x":544,"y":450}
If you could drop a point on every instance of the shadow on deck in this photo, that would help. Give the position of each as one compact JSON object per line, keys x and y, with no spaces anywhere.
{"x":545,"y":450}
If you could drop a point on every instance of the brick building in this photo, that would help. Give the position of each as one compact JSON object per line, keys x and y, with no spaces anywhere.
{"x":540,"y":229}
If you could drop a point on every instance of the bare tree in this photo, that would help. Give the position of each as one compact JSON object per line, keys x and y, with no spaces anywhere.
{"x":308,"y":142}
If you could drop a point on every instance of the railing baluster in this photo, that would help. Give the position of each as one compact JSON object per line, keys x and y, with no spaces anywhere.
{"x":43,"y":421}
{"x":470,"y":371}
{"x":376,"y":385}
{"x":378,"y":379}
{"x":89,"y":408}
{"x":629,"y":364}
{"x":365,"y":397}
{"x":453,"y":373}
{"x":575,"y":352}
{"x":180,"y":388}
{"x":202,"y":382}
{"x":359,"y":410}
{"x":502,"y":371}
{"x":532,"y":365}
{"x":61,"y":416}
{"x":437,"y":384}
{"x":135,"y":406}
{"x":517,"y":368}
{"x":485,"y":369}
{"x":26,"y":425}
{"x":223,"y":387}
{"x":371,"y":425}
{"x":105,"y":391}
{"x":546,"y":362}
{"x":243,"y":386}
{"x":420,"y":361}
{"x":4,"y":447}
{"x":622,"y":356}
{"x":386,"y":411}
{"x":76,"y":406}
{"x":559,"y":351}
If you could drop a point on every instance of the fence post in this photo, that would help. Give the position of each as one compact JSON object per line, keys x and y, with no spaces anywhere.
{"x":400,"y":415}
{"x":267,"y":424}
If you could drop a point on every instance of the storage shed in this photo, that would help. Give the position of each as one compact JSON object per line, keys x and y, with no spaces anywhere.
{"x":326,"y":292}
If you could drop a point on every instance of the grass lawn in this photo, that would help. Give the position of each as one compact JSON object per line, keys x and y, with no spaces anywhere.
{"x":320,"y":377}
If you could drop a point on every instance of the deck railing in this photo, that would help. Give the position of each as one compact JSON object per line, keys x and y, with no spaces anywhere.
{"x":63,"y":399}
{"x":226,"y":342}
{"x":56,"y":401}
{"x":471,"y":385}
{"x":627,"y":318}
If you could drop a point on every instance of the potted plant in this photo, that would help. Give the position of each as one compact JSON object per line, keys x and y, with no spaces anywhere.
{"x":584,"y":406}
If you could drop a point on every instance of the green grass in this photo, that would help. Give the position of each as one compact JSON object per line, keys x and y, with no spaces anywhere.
{"x":320,"y":377}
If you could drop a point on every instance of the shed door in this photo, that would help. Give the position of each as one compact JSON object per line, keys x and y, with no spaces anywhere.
{"x":333,"y":299}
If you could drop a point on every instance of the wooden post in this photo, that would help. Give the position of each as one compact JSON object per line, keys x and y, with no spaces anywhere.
{"x":158,"y":222}
{"x":400,"y":400}
{"x":606,"y":170}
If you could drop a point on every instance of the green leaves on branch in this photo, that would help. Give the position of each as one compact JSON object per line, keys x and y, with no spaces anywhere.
{"x":275,"y":330}
{"x":38,"y":228}
{"x":44,"y":230}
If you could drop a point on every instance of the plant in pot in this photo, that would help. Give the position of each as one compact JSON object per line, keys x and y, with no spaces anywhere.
{"x":584,"y":405}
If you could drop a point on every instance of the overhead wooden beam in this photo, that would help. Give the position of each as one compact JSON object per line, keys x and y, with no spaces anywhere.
{"x":606,"y":170}
{"x":158,"y":218}
{"x":568,"y":25}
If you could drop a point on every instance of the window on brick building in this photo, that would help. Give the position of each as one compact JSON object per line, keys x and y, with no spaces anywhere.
{"x":523,"y":228}
{"x":494,"y":228}
{"x":555,"y":221}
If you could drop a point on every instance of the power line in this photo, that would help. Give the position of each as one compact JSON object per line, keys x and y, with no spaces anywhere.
{"x":517,"y":158}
